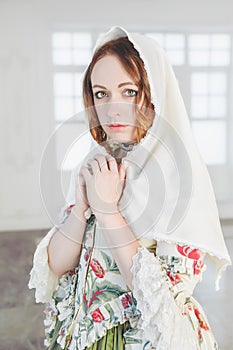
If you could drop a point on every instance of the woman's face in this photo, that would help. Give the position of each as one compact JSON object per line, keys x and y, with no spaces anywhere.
{"x":115,"y":94}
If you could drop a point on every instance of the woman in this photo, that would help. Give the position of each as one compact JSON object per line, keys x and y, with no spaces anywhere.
{"x":120,"y":269}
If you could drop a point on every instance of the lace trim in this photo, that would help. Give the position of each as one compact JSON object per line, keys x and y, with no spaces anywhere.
{"x":42,"y":278}
{"x":161,"y":319}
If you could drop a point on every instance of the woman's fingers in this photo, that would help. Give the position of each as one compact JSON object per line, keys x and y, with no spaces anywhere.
{"x":101,"y":160}
{"x":112,"y":164}
{"x":103,"y":163}
{"x":94,"y":165}
{"x":104,"y":183}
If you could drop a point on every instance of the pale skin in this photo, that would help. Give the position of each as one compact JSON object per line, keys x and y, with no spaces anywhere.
{"x":100,"y":183}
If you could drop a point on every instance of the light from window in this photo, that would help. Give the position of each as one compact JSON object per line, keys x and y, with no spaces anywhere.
{"x":209,"y":50}
{"x":208,"y":95}
{"x":71,"y":48}
{"x":210,"y":138}
{"x":67,"y":95}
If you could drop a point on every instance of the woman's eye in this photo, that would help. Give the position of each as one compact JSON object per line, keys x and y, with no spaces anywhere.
{"x":100,"y":94}
{"x":131,"y":92}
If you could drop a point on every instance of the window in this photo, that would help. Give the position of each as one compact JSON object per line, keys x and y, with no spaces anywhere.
{"x":209,"y":59}
{"x":71,"y":54}
{"x":67,"y":94}
{"x":209,"y":50}
{"x":71,"y":48}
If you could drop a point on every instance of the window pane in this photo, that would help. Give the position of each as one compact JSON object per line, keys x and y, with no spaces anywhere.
{"x":78,"y":78}
{"x":82,"y":56}
{"x":199,"y":41}
{"x":174,"y":41}
{"x":199,"y":107}
{"x":64,"y":108}
{"x":61,"y":40}
{"x":82,"y":40}
{"x":210,"y":137}
{"x":63,"y":84}
{"x":199,"y":58}
{"x":176,"y":57}
{"x":220,"y":41}
{"x":217,"y":106}
{"x":62,"y":57}
{"x":199,"y":84}
{"x":217,"y":83}
{"x":219,"y":58}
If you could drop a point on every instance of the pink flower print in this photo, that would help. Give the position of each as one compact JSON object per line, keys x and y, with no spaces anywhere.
{"x":85,"y":299}
{"x":175,"y":278}
{"x":97,"y":268}
{"x":197,"y":266}
{"x":190,"y":253}
{"x":68,"y":210}
{"x":93,"y":297}
{"x":126,"y":301}
{"x":97,"y":315}
{"x":202,"y":323}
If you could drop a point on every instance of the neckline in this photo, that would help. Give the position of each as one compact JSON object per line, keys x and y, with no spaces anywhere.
{"x":126,"y":146}
{"x":119,"y":150}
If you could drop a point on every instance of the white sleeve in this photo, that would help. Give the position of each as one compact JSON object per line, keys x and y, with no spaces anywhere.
{"x":161,"y":319}
{"x":42,"y":278}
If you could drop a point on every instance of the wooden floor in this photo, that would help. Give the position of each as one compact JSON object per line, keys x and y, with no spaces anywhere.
{"x":21,"y":320}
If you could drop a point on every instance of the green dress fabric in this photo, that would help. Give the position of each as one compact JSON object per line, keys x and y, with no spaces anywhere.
{"x":113,"y":339}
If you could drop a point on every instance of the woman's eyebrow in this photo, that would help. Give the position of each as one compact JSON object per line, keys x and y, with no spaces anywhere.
{"x":99,"y":86}
{"x":127,"y":83}
{"x":120,"y":85}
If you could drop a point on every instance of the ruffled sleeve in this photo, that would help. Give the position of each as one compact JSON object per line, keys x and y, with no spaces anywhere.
{"x":161,"y":321}
{"x":42,"y":278}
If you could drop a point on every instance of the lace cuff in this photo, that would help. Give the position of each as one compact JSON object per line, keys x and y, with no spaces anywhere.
{"x":42,"y":278}
{"x":161,"y":322}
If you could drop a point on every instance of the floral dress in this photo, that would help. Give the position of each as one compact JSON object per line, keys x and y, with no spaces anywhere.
{"x":87,"y":302}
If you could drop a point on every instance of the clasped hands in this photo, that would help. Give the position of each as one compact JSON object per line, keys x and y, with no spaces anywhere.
{"x":100,"y":184}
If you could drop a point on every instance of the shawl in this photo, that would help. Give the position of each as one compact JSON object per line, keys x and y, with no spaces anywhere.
{"x":168,"y":195}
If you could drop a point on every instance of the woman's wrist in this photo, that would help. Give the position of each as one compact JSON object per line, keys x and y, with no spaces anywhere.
{"x":79,"y":212}
{"x":107,"y":219}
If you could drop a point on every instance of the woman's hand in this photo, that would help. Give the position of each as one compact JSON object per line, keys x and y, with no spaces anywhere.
{"x":104,"y":183}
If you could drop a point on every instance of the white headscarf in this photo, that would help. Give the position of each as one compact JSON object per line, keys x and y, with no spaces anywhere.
{"x":168,"y":194}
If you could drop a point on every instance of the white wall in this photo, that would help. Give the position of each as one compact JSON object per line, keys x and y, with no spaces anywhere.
{"x":26,"y":91}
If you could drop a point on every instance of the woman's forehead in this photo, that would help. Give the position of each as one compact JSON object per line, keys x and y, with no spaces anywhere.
{"x":109,"y":69}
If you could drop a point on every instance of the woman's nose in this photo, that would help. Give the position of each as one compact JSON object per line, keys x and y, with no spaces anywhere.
{"x":114,"y":108}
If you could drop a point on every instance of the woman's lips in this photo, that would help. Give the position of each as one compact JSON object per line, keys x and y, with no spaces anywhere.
{"x":117,"y":126}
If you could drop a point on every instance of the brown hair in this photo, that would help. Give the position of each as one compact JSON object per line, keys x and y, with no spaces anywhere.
{"x":124,"y":50}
